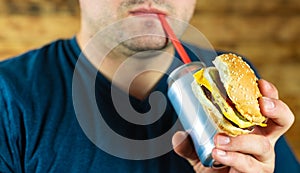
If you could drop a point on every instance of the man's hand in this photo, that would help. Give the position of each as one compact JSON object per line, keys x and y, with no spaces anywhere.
{"x":245,"y":153}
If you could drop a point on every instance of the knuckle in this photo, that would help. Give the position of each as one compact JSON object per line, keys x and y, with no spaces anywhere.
{"x":267,"y":170}
{"x":249,"y":164}
{"x":250,"y":161}
{"x":233,"y":171}
{"x":266,"y":146}
{"x":290,"y":118}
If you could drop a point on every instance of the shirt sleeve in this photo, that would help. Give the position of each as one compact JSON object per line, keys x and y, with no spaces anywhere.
{"x":10,"y":157}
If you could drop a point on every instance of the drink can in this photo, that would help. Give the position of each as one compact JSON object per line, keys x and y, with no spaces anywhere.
{"x":192,"y":116}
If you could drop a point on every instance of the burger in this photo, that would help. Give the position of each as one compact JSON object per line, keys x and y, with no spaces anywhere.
{"x":229,"y":94}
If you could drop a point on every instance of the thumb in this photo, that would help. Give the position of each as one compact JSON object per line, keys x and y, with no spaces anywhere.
{"x":184,"y":147}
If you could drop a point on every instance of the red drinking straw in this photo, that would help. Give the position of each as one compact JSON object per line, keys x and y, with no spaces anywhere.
{"x":178,"y":46}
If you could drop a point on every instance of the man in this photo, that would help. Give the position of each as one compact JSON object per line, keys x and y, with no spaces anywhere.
{"x":48,"y":121}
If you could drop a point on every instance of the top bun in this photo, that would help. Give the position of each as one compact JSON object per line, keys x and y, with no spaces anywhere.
{"x":241,"y":86}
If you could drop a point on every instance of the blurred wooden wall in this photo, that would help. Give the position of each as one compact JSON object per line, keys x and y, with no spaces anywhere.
{"x":267,"y":32}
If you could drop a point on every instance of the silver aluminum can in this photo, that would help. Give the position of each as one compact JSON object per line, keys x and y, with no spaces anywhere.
{"x":191,"y":114}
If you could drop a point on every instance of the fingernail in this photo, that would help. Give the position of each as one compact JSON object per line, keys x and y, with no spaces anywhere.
{"x":222,"y":140}
{"x":268,"y":86}
{"x":268,"y":103}
{"x":221,"y":152}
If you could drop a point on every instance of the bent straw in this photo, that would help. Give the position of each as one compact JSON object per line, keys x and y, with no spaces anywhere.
{"x":178,"y":46}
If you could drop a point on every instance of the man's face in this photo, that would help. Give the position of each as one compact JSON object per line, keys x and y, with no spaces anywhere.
{"x":98,"y":14}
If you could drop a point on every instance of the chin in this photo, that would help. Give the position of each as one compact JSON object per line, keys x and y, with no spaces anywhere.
{"x":146,"y":43}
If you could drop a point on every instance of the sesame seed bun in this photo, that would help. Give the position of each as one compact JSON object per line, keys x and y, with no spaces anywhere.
{"x":241,"y":86}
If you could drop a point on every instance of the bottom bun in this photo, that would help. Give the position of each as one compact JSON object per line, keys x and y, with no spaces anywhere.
{"x":223,"y":124}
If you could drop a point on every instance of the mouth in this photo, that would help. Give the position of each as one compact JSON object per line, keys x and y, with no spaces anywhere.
{"x":146,"y":12}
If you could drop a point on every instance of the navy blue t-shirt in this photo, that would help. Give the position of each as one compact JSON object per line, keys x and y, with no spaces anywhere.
{"x":40,"y":131}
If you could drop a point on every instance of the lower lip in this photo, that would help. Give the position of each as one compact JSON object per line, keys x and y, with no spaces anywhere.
{"x":141,"y":14}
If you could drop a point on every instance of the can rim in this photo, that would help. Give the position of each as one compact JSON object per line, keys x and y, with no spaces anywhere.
{"x":190,"y":68}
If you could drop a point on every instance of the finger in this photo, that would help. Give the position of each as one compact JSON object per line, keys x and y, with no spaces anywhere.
{"x":267,"y":89}
{"x":241,"y":162}
{"x":232,"y":170}
{"x":280,"y":118}
{"x":184,"y":147}
{"x":258,"y":146}
{"x":277,"y":110}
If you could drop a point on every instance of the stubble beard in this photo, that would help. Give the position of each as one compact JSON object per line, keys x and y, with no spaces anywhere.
{"x":142,"y":33}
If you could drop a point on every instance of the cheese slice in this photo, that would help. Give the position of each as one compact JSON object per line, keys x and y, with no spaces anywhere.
{"x":199,"y":77}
